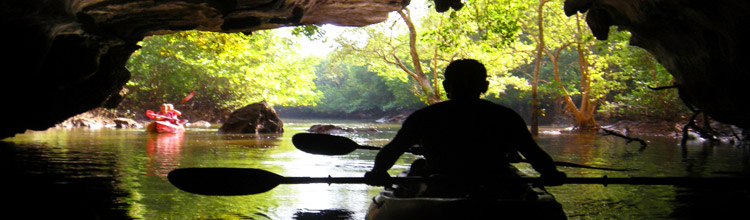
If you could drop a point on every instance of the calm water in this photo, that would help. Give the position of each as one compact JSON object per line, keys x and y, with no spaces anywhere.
{"x":121,"y":174}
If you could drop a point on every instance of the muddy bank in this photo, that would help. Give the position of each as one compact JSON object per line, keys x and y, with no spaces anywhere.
{"x":711,"y":131}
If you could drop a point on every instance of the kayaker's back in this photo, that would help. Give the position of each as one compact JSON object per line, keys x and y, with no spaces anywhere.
{"x":469,"y":136}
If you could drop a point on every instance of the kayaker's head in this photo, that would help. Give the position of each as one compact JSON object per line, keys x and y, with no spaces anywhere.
{"x":164,"y":108}
{"x":465,"y":79}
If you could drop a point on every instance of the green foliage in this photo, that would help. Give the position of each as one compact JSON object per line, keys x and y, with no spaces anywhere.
{"x":350,"y":88}
{"x":493,"y":22}
{"x":637,"y":70}
{"x":481,"y":30}
{"x":378,"y":68}
{"x":312,"y":32}
{"x":227,"y":71}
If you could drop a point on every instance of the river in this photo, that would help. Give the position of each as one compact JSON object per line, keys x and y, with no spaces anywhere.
{"x":121,"y":174}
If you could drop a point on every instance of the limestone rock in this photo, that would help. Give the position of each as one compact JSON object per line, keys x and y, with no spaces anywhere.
{"x":333,"y":129}
{"x":255,"y":118}
{"x":702,"y":44}
{"x":198,"y":124}
{"x":68,"y":57}
{"x":126,"y":123}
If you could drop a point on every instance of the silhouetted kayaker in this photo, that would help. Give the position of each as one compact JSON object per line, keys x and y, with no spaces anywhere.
{"x":465,"y":138}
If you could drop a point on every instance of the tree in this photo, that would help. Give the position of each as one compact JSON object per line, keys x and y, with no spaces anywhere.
{"x":566,"y":36}
{"x":640,"y":72}
{"x":398,"y":56}
{"x":540,"y":48}
{"x":480,"y":30}
{"x":349,"y":88}
{"x":226,"y":71}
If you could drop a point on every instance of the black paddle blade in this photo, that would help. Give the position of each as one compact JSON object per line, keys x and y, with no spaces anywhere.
{"x":324,"y":144}
{"x":224,"y":181}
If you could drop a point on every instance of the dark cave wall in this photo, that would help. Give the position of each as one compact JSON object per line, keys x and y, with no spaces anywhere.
{"x":68,"y":56}
{"x":703,"y":44}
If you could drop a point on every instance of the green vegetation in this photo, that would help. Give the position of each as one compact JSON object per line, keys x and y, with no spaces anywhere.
{"x":542,"y":63}
{"x":226,"y":71}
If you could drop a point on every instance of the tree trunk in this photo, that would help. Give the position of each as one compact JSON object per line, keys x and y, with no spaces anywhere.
{"x":588,"y":106}
{"x":537,"y":67}
{"x":424,"y":83}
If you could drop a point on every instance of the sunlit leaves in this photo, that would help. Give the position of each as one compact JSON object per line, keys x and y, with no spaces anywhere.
{"x":227,"y":71}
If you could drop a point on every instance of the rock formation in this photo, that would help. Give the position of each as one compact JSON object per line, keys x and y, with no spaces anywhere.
{"x":126,"y":123}
{"x":333,"y":129}
{"x":68,"y":56}
{"x":702,"y":44}
{"x":255,"y":118}
{"x":65,"y":57}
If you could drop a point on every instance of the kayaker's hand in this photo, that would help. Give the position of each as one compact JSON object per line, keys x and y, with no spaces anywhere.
{"x":416,"y":150}
{"x":554,"y":179}
{"x":377,"y":178}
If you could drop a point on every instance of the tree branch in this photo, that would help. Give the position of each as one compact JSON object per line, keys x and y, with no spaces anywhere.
{"x":630,"y":139}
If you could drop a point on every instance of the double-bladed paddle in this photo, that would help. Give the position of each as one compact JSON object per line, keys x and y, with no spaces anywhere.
{"x":248,"y":181}
{"x":325,"y":144}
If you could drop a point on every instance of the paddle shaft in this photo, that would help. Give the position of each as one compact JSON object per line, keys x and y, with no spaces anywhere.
{"x":248,"y":181}
{"x":677,"y":181}
{"x":558,"y":163}
{"x":326,"y":144}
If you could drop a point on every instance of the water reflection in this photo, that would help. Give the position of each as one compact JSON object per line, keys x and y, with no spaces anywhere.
{"x":119,"y":174}
{"x":163,"y":151}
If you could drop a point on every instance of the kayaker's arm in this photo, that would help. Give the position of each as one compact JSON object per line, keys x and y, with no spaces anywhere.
{"x":539,"y":159}
{"x":385,"y":159}
{"x":405,"y":138}
{"x":542,"y":163}
{"x":390,"y":153}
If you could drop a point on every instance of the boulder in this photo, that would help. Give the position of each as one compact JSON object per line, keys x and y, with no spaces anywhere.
{"x":398,"y":119}
{"x":126,"y":123}
{"x":332,"y":129}
{"x":255,"y":118}
{"x":198,"y":124}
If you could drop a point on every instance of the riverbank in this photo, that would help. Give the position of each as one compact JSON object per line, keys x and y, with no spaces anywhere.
{"x":96,"y":120}
{"x":631,"y":128}
{"x":712,"y":131}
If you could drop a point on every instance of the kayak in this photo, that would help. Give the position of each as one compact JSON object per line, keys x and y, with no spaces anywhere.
{"x":387,"y":206}
{"x":536,"y":203}
{"x":164,"y":127}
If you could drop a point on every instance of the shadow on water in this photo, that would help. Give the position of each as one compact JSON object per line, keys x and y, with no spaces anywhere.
{"x":34,"y":187}
{"x":718,"y":202}
{"x":713,"y":203}
{"x":337,"y":214}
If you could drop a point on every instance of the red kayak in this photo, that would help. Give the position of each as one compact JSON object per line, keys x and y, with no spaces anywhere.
{"x":164,"y":127}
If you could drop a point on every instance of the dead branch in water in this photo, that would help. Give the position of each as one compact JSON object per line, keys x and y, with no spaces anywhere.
{"x":630,"y":139}
{"x":691,"y":124}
